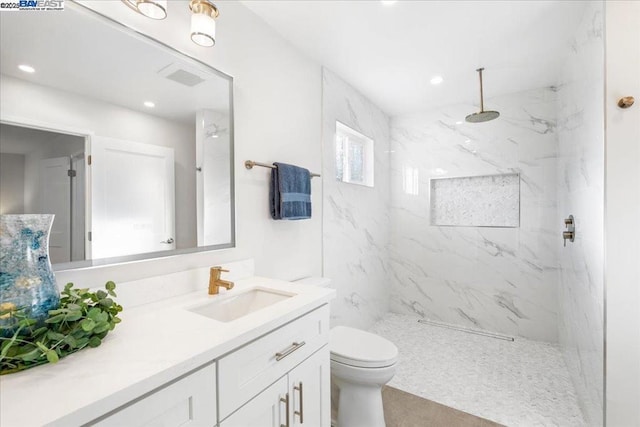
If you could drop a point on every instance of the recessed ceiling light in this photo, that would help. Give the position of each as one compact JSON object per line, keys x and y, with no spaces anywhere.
{"x":27,"y":68}
{"x":149,"y":104}
{"x":436,"y":80}
{"x":459,"y":122}
{"x":388,"y":2}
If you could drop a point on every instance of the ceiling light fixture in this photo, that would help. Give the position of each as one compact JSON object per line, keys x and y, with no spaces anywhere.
{"x":203,"y":17}
{"x":203,"y":22}
{"x":436,"y":80}
{"x":149,"y":104}
{"x":27,"y":68}
{"x":154,"y":9}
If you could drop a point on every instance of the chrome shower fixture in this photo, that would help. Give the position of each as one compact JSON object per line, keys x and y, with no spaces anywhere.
{"x":482,"y":116}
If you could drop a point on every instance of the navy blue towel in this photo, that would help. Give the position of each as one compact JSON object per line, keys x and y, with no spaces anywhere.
{"x":290,"y":192}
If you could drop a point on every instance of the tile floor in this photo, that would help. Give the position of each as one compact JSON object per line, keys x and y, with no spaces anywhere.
{"x":521,"y":383}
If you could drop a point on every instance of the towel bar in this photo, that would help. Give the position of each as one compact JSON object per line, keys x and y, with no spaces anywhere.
{"x":249,"y":164}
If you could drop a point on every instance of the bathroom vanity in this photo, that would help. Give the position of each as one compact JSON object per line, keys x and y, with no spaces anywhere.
{"x":256,"y":355}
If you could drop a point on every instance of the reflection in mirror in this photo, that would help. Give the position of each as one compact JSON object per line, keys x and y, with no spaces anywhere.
{"x":128,"y":142}
{"x":42,"y":172}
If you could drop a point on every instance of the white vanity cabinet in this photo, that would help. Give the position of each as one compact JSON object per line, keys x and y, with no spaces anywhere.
{"x":190,"y":370}
{"x":300,"y":398}
{"x":279,"y":379}
{"x":283,"y":375}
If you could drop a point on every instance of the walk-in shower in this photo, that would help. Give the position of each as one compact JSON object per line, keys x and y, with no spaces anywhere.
{"x":464,"y":225}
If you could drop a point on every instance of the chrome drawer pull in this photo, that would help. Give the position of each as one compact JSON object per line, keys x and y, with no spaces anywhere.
{"x":300,"y":413}
{"x":286,"y":408}
{"x":294,"y":347}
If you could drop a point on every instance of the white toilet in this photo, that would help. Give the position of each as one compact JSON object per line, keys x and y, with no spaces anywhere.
{"x":361,"y":363}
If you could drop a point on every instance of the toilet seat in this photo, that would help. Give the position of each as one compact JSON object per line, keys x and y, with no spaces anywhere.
{"x":362,"y":349}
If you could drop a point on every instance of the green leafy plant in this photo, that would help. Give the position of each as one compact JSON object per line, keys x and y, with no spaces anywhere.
{"x":82,"y":320}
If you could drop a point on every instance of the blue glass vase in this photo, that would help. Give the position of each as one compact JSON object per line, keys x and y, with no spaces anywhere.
{"x":26,"y":278}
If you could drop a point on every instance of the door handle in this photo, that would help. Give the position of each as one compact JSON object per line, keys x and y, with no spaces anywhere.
{"x":168,"y":241}
{"x":286,"y":406}
{"x":300,"y":413}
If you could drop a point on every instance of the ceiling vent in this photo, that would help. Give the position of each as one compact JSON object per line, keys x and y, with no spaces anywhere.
{"x":179,"y":74}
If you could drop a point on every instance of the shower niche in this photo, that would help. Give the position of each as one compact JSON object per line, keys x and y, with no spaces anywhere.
{"x":476,"y":201}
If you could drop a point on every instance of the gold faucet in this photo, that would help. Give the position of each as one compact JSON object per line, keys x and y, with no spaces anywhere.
{"x":215,"y":281}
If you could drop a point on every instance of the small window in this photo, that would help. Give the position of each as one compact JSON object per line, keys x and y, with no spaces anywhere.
{"x":354,"y":156}
{"x":411,"y":180}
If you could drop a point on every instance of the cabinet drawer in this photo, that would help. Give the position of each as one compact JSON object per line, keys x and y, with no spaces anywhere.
{"x":190,"y":401}
{"x":252,"y":368}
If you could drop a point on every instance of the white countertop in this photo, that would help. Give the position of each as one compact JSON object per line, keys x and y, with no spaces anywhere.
{"x":154,"y":344}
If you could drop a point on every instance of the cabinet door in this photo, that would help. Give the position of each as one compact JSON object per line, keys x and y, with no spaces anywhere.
{"x":267,"y":409}
{"x":309,"y":391}
{"x":190,"y":401}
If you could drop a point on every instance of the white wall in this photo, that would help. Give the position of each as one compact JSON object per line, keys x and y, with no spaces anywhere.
{"x":622,"y":235}
{"x":356,"y":218}
{"x":277,"y":99}
{"x":499,"y":279}
{"x":12,"y":183}
{"x":580,"y":183}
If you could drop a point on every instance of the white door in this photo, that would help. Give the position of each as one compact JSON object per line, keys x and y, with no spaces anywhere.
{"x":265,"y":410}
{"x":132,"y":198}
{"x":55,"y":198}
{"x":310,"y":390}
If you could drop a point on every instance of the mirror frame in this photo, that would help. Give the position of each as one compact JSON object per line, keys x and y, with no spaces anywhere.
{"x":34,"y":124}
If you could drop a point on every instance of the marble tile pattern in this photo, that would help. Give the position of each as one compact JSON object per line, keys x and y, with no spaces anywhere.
{"x":484,"y":201}
{"x":580,"y":180}
{"x":355,"y":220}
{"x":499,"y":279}
{"x":521,"y":383}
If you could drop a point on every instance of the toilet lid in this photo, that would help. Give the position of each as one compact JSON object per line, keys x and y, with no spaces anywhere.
{"x":360,"y":348}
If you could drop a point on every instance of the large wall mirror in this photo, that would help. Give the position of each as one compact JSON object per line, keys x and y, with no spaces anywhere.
{"x":127,"y":141}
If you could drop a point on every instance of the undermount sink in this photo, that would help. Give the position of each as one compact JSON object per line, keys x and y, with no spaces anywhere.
{"x":234,"y":307}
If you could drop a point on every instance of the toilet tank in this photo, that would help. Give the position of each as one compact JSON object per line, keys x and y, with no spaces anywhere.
{"x":322,"y":282}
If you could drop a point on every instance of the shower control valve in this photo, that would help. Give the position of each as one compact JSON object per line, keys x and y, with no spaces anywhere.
{"x":570,"y":234}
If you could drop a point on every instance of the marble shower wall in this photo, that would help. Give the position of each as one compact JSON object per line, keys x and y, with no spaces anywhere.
{"x":356,"y":222}
{"x":499,"y":279}
{"x":581,"y":193}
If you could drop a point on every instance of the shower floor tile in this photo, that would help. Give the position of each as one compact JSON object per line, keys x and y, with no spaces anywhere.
{"x":520,"y":383}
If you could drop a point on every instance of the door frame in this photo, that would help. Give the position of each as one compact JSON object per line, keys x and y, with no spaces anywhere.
{"x":87,"y":134}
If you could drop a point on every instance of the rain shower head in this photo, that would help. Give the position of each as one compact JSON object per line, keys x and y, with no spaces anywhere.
{"x":482,"y":116}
